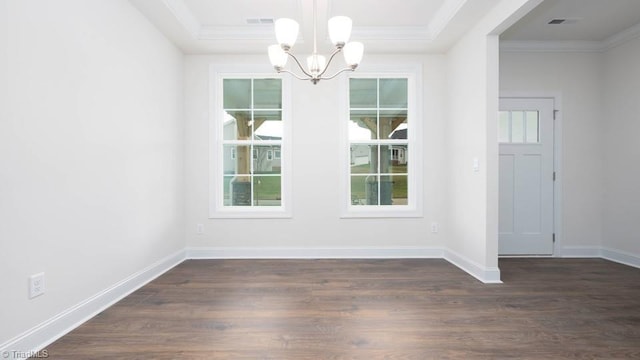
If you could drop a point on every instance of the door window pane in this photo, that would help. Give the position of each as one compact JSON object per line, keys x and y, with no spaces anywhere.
{"x":517,"y":126}
{"x":533,"y":127}
{"x":504,"y":127}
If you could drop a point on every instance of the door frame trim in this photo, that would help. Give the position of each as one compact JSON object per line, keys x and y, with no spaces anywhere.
{"x":556,"y":96}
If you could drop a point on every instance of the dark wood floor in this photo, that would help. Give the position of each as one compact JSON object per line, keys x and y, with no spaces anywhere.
{"x":370,"y":309}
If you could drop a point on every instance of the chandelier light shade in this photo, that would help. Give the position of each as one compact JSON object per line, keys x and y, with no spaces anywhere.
{"x":339,"y":32}
{"x":277,"y":56}
{"x":286,"y":32}
{"x":353,"y":52}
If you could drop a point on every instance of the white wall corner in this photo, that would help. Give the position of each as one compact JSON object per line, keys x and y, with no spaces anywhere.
{"x":487,"y":275}
{"x":40,"y":336}
{"x":314,"y":253}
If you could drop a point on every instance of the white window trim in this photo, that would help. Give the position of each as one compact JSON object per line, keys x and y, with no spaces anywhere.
{"x":218,"y":72}
{"x":413,"y":209}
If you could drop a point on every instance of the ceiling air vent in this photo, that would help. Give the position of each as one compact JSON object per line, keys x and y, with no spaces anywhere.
{"x":260,"y":21}
{"x":563,"y":21}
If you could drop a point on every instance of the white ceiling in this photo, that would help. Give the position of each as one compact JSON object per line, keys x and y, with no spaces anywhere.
{"x":408,"y":26}
{"x":588,"y":20}
{"x":384,"y":26}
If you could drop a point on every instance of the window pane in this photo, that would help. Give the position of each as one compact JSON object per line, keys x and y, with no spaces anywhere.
{"x":385,"y":159}
{"x":236,"y":159}
{"x":393,"y":124}
{"x":372,"y":187}
{"x":503,"y":127}
{"x":237,"y":125}
{"x":363,"y":93}
{"x":237,"y":190}
{"x":358,"y":193}
{"x":267,"y":125}
{"x":237,"y":93}
{"x":363,"y":125}
{"x":393,"y":93}
{"x":267,"y":94}
{"x":517,"y":126}
{"x":226,"y":185}
{"x":267,"y":191}
{"x":399,"y":158}
{"x":262,"y":164}
{"x":364,"y":159}
{"x":399,"y":189}
{"x":533,"y":127}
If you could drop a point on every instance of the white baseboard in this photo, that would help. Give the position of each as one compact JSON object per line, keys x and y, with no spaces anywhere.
{"x":621,"y":257}
{"x":486,"y":275}
{"x":615,"y":255}
{"x":482,"y":273}
{"x":580,"y":252}
{"x":314,"y":253}
{"x":38,"y":337}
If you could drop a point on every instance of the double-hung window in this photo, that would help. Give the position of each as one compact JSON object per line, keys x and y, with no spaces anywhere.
{"x":382,"y":141}
{"x":250,"y":123}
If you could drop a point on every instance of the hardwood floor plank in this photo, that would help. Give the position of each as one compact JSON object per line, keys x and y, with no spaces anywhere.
{"x":370,"y":309}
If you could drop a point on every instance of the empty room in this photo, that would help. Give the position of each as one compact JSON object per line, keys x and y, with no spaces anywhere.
{"x":319,"y":179}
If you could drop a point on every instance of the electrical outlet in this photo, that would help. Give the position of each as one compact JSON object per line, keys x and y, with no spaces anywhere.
{"x":36,"y":285}
{"x":200,"y":229}
{"x":434,"y":227}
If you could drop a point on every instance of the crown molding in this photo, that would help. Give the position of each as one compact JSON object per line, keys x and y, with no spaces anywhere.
{"x":443,"y":17}
{"x":184,"y":16}
{"x":622,"y":37}
{"x":550,"y":46}
{"x":263,"y":32}
{"x":393,"y":33}
{"x":611,"y":42}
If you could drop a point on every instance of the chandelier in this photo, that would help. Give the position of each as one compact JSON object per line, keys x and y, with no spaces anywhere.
{"x":317,"y":65}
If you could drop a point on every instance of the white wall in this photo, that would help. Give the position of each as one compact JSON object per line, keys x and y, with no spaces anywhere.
{"x":577,"y":78}
{"x":467,"y":108}
{"x":91,"y":152}
{"x":316,"y":221}
{"x":472,"y":106}
{"x":621,"y":123}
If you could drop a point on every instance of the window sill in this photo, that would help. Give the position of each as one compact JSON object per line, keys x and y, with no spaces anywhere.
{"x":240,"y":213}
{"x":355,"y":212}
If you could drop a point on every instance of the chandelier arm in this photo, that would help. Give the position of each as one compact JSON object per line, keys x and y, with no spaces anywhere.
{"x":326,"y":67}
{"x":293,"y":74}
{"x":299,"y":65}
{"x":338,"y":73}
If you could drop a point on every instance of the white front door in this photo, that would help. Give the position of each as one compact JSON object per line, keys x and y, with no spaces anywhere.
{"x":525,"y":133}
